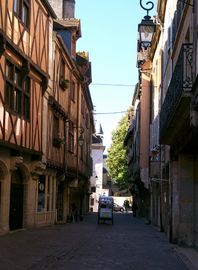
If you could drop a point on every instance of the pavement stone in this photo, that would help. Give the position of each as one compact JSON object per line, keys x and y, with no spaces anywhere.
{"x":127,"y":244}
{"x":189,"y":256}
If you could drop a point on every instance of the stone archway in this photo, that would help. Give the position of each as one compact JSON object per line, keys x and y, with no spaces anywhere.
{"x":19,"y":197}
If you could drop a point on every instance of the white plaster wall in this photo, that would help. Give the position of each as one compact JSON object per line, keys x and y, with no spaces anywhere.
{"x":97,"y":177}
{"x":97,"y":157}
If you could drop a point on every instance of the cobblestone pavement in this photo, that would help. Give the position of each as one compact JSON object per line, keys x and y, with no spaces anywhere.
{"x":127,"y":244}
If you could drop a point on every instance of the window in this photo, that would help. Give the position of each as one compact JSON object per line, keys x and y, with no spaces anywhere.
{"x":72,"y":90}
{"x":17,"y":91}
{"x":62,"y":69}
{"x":63,"y":82}
{"x":26,"y":100}
{"x":25,"y":13}
{"x":41,"y":194}
{"x":92,"y":202}
{"x":55,"y":126}
{"x":22,"y":11}
{"x":87,"y":120}
{"x":46,"y":193}
{"x":0,"y":195}
{"x":81,"y":152}
{"x":87,"y":154}
{"x":71,"y":137}
{"x":83,"y":106}
{"x":83,"y":149}
{"x":16,"y":6}
{"x":56,"y":134}
{"x":93,"y":189}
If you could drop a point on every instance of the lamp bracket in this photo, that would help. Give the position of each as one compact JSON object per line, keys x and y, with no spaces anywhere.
{"x":157,"y":21}
{"x":81,"y":129}
{"x":186,"y":3}
{"x":147,"y":9}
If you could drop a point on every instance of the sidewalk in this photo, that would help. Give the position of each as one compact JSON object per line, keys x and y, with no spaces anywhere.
{"x":129,"y":244}
{"x":189,"y":256}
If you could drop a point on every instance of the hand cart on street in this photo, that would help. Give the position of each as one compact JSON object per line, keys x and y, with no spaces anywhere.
{"x":105,"y":209}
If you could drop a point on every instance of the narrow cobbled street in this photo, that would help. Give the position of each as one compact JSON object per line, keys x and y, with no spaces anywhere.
{"x":127,"y":244}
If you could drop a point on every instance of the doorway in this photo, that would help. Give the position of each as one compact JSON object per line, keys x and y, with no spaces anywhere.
{"x":16,"y":201}
{"x":59,"y":201}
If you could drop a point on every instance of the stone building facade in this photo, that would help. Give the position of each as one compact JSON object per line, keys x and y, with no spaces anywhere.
{"x":172,"y":177}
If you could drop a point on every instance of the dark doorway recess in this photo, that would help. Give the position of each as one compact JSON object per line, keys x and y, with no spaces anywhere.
{"x":16,"y":201}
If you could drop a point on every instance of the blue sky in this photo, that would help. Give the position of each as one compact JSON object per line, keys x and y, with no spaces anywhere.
{"x":109,"y":34}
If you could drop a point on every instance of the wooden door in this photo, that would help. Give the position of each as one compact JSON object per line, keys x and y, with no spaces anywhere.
{"x":16,"y":201}
{"x":59,"y":201}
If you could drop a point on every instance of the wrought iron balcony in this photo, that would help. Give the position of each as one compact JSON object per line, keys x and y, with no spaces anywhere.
{"x":178,"y":94}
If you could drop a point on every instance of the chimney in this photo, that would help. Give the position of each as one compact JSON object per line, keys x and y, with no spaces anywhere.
{"x":68,"y":9}
{"x":63,"y":8}
{"x":57,"y":6}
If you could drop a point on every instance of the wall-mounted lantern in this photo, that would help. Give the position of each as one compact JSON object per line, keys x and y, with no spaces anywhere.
{"x":146,"y":28}
{"x":80,"y":138}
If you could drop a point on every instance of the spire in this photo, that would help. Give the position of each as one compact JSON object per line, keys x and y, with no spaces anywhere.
{"x":99,"y":131}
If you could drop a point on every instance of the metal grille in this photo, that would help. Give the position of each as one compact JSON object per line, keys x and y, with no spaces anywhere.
{"x":180,"y":85}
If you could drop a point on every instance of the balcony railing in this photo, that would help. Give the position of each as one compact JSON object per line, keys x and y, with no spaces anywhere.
{"x":180,"y":87}
{"x":177,"y":19}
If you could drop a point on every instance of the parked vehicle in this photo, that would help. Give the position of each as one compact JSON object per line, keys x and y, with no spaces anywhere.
{"x":118,"y":208}
{"x":105,"y":209}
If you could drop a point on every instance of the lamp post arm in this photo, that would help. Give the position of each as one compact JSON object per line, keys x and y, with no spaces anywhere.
{"x":147,"y":9}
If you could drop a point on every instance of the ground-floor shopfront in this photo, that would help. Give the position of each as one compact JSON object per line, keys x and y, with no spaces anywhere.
{"x":31,"y":195}
{"x":174,"y":200}
{"x":27,"y":194}
{"x":184,"y":203}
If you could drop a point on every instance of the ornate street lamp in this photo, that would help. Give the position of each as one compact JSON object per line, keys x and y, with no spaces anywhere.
{"x":80,"y":138}
{"x":146,"y":28}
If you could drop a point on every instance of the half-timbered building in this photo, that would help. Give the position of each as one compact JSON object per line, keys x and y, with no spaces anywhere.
{"x":70,"y":121}
{"x":46,"y":120}
{"x":24,"y":60}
